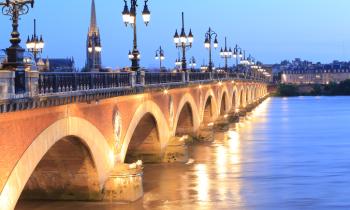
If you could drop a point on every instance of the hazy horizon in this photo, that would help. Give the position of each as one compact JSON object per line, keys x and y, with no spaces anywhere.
{"x":271,"y":30}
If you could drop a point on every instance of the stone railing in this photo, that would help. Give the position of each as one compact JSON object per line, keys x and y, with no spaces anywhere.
{"x":52,"y":83}
{"x":52,"y":89}
{"x":163,"y":78}
{"x":67,"y":82}
{"x":197,"y":76}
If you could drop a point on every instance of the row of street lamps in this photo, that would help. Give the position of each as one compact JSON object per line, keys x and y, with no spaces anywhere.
{"x":183,"y":41}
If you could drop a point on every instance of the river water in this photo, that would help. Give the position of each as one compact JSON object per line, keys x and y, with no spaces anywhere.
{"x":289,"y":154}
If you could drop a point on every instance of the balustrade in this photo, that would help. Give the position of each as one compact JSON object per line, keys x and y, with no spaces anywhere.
{"x":162,"y":78}
{"x":65,"y":82}
{"x":197,"y":76}
{"x":53,"y":82}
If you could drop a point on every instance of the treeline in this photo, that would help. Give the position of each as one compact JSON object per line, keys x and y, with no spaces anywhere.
{"x":331,"y":89}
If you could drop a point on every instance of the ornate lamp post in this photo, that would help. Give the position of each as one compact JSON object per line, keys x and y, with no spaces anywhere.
{"x":251,"y":60}
{"x":204,"y":67}
{"x":183,"y":41}
{"x":226,"y":54}
{"x":251,"y":65}
{"x":178,"y":62}
{"x":15,"y":9}
{"x":245,"y":62}
{"x":160,"y":56}
{"x":193,"y":63}
{"x":207,"y":44}
{"x":129,"y":18}
{"x":35,"y":44}
{"x":237,"y":54}
{"x":256,"y":69}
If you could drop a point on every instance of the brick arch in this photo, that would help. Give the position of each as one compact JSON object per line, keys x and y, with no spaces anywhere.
{"x":247,"y":91}
{"x":258,"y":91}
{"x":234,"y":98}
{"x":252,"y":93}
{"x":242,"y":97}
{"x":248,"y":94}
{"x":148,"y":107}
{"x":101,"y":153}
{"x":228,"y":99}
{"x":215,"y":108}
{"x":187,"y":99}
{"x":261,"y":91}
{"x":256,"y":95}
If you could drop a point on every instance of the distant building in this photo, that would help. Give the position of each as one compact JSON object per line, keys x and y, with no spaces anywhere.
{"x":315,"y":76}
{"x":93,"y":44}
{"x":56,"y":65}
{"x":305,"y":72}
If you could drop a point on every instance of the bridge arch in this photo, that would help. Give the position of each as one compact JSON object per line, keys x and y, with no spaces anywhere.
{"x":101,"y":153}
{"x":258,"y":91}
{"x":246,"y":90}
{"x":242,"y":98}
{"x":224,"y":101}
{"x":148,"y":112}
{"x":210,"y":109}
{"x":253,"y":93}
{"x":247,"y":95}
{"x":234,"y":100}
{"x":250,"y":94}
{"x":257,"y":97}
{"x":187,"y":111}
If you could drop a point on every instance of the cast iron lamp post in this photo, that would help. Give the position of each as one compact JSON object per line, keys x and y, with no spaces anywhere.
{"x":160,"y":56}
{"x":178,"y":62}
{"x":237,"y":54}
{"x":204,"y":67}
{"x":251,"y":60}
{"x":245,"y":62}
{"x":226,"y":54}
{"x":193,"y":63}
{"x":183,"y":41}
{"x":35,"y":45}
{"x":15,"y":9}
{"x":207,"y":44}
{"x":251,"y":65}
{"x":129,"y":18}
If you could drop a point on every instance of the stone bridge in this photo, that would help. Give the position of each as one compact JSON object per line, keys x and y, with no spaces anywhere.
{"x":70,"y":150}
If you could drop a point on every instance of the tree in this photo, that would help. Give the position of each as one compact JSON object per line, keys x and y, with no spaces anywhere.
{"x":287,"y":90}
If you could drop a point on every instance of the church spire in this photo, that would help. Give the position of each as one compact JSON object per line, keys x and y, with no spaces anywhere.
{"x":93,"y":43}
{"x":93,"y":22}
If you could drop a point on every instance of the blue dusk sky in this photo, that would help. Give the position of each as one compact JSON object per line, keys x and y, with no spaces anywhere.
{"x":271,"y":30}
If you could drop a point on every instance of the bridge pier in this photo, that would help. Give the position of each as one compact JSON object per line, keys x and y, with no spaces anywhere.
{"x":125,"y":183}
{"x":177,"y":150}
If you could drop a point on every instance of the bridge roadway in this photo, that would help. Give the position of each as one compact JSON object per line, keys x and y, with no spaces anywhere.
{"x":77,"y":141}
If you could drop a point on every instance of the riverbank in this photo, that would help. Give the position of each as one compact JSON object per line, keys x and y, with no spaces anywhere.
{"x":331,"y":89}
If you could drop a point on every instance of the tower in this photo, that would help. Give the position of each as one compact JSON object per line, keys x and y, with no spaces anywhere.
{"x":93,"y":44}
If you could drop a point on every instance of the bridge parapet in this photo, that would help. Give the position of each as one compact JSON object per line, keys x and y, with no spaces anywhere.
{"x":52,"y":89}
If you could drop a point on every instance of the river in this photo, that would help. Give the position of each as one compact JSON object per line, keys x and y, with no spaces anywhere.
{"x":289,"y":154}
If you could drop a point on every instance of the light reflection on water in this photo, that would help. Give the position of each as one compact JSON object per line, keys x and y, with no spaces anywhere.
{"x":288,"y":154}
{"x":203,"y":182}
